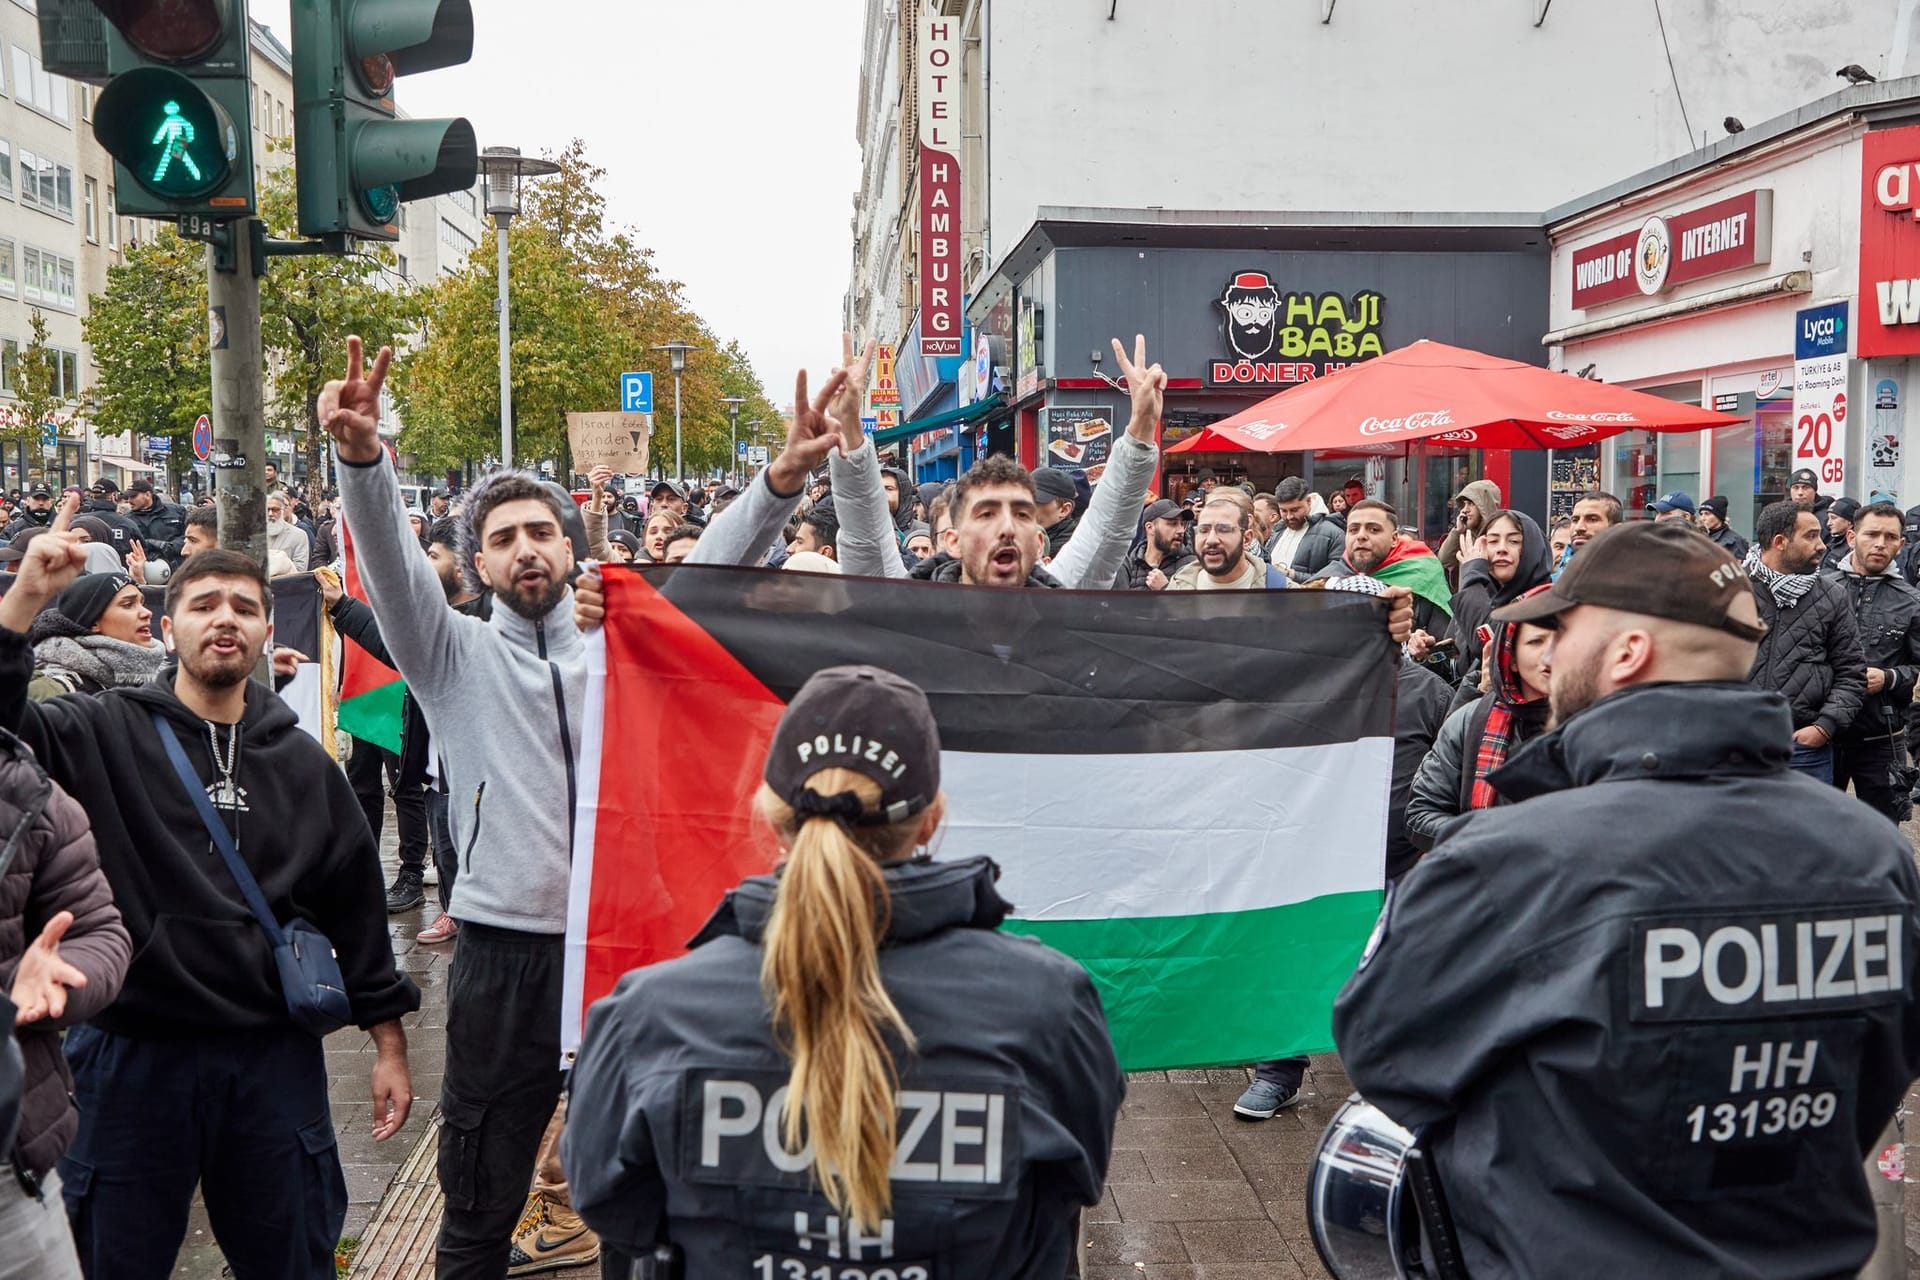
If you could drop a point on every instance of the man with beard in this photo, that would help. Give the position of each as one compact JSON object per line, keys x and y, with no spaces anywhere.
{"x":1252,"y":305}
{"x":1304,"y":543}
{"x":1811,"y":653}
{"x":1375,"y":548}
{"x":283,"y":534}
{"x":506,"y":698}
{"x":198,"y":1074}
{"x":1162,"y":553}
{"x":202,"y":532}
{"x":1627,"y":1062}
{"x":1222,"y":558}
{"x":1477,"y":502}
{"x":1871,"y":753}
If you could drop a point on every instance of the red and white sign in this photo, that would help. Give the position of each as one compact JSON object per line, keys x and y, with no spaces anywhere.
{"x":939,"y":85}
{"x":1887,"y":321}
{"x":886,"y":390}
{"x":1820,"y":420}
{"x":1670,"y":249}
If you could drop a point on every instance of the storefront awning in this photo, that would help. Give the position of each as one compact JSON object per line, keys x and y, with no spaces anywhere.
{"x":125,"y":464}
{"x":933,"y":422}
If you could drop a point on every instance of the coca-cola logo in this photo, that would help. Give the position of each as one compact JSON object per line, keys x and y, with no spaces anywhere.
{"x":1557,"y":415}
{"x":1567,"y":434}
{"x":1412,"y":422}
{"x":1466,"y":435}
{"x":1262,"y":429}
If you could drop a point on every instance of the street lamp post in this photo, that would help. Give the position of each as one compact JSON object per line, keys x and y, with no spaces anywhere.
{"x":504,"y":167}
{"x":733,"y":404}
{"x":677,"y":352}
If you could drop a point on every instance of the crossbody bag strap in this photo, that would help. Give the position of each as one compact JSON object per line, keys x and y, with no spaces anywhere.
{"x":222,"y":838}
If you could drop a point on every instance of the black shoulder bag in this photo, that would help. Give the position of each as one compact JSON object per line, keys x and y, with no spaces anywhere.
{"x":309,"y":971}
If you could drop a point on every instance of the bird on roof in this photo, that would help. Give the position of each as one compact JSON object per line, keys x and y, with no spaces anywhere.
{"x":1732,"y":125}
{"x":1854,"y":73}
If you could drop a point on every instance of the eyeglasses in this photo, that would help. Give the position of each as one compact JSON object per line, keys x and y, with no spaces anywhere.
{"x":1224,"y":530}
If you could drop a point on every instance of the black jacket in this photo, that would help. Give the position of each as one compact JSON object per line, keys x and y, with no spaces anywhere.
{"x":201,"y":962}
{"x":122,"y":528}
{"x":163,"y":530}
{"x":1007,"y":1102}
{"x":1594,"y":1102}
{"x":27,"y":518}
{"x":1443,"y":789}
{"x":1419,"y":711}
{"x":1479,"y":595}
{"x":1887,"y":612}
{"x":1725,"y":536}
{"x":1060,"y":532}
{"x":1134,"y":570}
{"x":1811,"y":653}
{"x":1324,"y":541}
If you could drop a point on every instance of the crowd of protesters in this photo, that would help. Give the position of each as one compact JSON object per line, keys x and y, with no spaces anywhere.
{"x":173,"y":831}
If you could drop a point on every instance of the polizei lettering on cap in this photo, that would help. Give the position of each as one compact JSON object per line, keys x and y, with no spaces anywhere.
{"x":1759,"y":965}
{"x":840,"y":744}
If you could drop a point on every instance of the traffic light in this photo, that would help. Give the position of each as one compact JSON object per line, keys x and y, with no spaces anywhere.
{"x":355,"y":160}
{"x":174,"y":113}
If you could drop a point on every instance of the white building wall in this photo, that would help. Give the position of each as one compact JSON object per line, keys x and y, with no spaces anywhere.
{"x":1388,"y":104}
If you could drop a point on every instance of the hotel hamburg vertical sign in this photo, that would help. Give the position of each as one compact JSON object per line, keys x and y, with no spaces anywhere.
{"x":939,"y":85}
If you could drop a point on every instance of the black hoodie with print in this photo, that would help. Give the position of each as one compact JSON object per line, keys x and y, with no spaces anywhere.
{"x":201,"y":961}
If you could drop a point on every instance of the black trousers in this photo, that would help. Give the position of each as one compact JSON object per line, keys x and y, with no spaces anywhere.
{"x":366,"y":768}
{"x":242,"y":1114}
{"x":1877,"y":769}
{"x":503,"y":1080}
{"x":445,"y":859}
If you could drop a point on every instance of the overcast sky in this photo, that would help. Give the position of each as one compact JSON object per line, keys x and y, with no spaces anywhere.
{"x":726,"y":130}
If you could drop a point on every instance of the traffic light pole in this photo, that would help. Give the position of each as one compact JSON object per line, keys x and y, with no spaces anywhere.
{"x":239,"y":391}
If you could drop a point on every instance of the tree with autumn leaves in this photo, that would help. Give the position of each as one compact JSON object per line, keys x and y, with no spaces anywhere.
{"x":588,"y":304}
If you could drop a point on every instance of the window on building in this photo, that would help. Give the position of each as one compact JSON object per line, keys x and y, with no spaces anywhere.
{"x":65,"y":284}
{"x":93,"y":212}
{"x":113,"y":219}
{"x":45,"y":185}
{"x":456,"y":239}
{"x":9,"y":283}
{"x":403,"y":265}
{"x":47,"y":278}
{"x":9,"y":365}
{"x":38,"y":88}
{"x":265,"y":118}
{"x":6,"y":169}
{"x":279,"y":119}
{"x":66,"y":373}
{"x":86,"y":102}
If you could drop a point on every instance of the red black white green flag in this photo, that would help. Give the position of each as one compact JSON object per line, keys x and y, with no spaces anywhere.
{"x":1187,"y":792}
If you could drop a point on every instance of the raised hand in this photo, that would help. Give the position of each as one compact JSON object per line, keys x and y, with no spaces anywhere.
{"x":137,"y":561}
{"x":811,"y":438}
{"x":597,"y":480}
{"x":40,"y":983}
{"x":53,"y":559}
{"x":349,"y":407}
{"x":1146,"y":386}
{"x":845,"y":409}
{"x":589,"y":599}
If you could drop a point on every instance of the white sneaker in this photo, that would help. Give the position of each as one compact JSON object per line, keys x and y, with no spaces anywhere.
{"x":430,"y":874}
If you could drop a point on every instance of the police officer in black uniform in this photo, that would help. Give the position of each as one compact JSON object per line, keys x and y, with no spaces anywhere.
{"x":854,"y":1074}
{"x":1652,"y":1016}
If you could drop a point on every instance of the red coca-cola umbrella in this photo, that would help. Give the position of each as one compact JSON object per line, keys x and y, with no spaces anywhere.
{"x":1447,"y":395}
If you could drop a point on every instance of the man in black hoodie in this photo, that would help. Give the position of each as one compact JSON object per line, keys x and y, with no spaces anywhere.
{"x":197,"y":1074}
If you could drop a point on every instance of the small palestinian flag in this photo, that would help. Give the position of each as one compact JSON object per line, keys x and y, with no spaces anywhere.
{"x":1187,"y":792}
{"x":300,"y":623}
{"x":370,"y":690}
{"x":1412,"y":564}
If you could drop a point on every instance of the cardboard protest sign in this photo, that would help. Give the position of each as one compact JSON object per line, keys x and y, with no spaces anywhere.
{"x":618,"y":440}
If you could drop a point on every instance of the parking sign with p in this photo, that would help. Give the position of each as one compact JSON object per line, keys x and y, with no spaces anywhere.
{"x":636,"y":393}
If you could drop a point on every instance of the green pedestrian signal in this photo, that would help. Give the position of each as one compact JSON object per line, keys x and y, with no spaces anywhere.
{"x":175,"y":111}
{"x":356,"y":160}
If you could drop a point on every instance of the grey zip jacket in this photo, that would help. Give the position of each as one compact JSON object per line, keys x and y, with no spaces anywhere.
{"x":869,"y":545}
{"x":505,"y":698}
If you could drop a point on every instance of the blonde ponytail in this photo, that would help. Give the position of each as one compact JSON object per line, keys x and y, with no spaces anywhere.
{"x":831,"y":1015}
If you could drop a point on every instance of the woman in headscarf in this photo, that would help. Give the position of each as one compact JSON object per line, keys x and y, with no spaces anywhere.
{"x":1478,"y":737}
{"x":1507,"y":560}
{"x":96,"y":635}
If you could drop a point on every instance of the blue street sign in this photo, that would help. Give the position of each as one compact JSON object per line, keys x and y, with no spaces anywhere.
{"x":49,"y":434}
{"x":869,"y":425}
{"x":740,"y":449}
{"x":636,"y":393}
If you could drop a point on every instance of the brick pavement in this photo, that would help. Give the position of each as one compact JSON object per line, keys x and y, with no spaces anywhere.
{"x":1193,"y":1193}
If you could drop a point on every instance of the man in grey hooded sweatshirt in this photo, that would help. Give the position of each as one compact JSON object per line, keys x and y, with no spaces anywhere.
{"x":1477,"y":502}
{"x":505,"y":700}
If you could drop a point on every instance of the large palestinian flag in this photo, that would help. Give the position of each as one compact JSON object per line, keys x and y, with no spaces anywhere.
{"x":1187,"y":792}
{"x":371,"y":692}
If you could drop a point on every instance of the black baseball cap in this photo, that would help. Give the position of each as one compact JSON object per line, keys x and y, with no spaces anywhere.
{"x":1663,"y":569}
{"x":104,"y":486}
{"x":667,"y":486}
{"x":864,"y":719}
{"x":141,"y":485}
{"x":1167,"y":509}
{"x":40,"y":491}
{"x":1803,"y":476}
{"x":1050,"y":484}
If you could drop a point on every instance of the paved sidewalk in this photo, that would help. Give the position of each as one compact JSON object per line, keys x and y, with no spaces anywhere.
{"x":1193,"y":1193}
